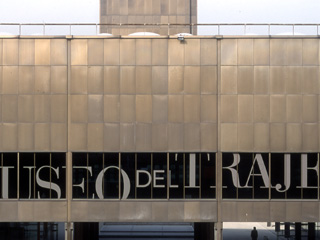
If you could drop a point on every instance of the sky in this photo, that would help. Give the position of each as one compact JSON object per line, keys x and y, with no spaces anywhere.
{"x":209,"y":11}
{"x":259,"y":11}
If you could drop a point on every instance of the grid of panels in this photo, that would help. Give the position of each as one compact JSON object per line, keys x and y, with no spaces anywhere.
{"x":159,"y":176}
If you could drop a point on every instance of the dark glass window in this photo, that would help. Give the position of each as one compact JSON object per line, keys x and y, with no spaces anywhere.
{"x":80,"y":173}
{"x":58,"y":162}
{"x":261,"y":189}
{"x":312,"y":177}
{"x":128,"y":166}
{"x":9,"y":167}
{"x":176,"y":175}
{"x":27,"y":176}
{"x":245,"y":171}
{"x":294,"y":192}
{"x":208,"y":175}
{"x":192,"y":175}
{"x":95,"y":161}
{"x":160,"y":175}
{"x":143,"y":175}
{"x":42,"y":161}
{"x":228,"y":188}
{"x":277,"y":176}
{"x":111,"y":176}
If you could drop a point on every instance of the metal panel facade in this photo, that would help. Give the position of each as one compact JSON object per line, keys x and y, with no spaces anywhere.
{"x":92,"y":94}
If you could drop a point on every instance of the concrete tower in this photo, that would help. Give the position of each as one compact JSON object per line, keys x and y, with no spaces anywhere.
{"x":148,"y":12}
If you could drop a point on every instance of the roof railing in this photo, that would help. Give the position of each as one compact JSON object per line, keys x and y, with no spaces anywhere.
{"x":46,"y":29}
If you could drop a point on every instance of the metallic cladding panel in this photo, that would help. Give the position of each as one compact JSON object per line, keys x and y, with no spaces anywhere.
{"x":95,"y":80}
{"x":229,"y":52}
{"x":42,"y":79}
{"x":293,"y":211}
{"x":310,"y":55}
{"x":245,"y":108}
{"x":294,"y":80}
{"x":245,"y":79}
{"x":208,"y":78}
{"x":111,"y":137}
{"x":59,"y":80}
{"x":59,"y":52}
{"x":25,"y":133}
{"x":95,"y":52}
{"x":42,"y":136}
{"x":229,"y":137}
{"x":143,"y":136}
{"x":208,"y":52}
{"x":229,"y":79}
{"x":79,"y":52}
{"x":245,"y":51}
{"x":261,"y":137}
{"x":294,"y":137}
{"x":143,"y":51}
{"x":245,"y":136}
{"x":159,"y":137}
{"x":143,"y":80}
{"x":159,"y":51}
{"x":10,"y":79}
{"x":160,"y":109}
{"x":310,"y":211}
{"x":42,"y":52}
{"x":209,"y":136}
{"x":111,"y":80}
{"x":261,"y":52}
{"x":10,"y":51}
{"x":25,"y":108}
{"x":111,"y":108}
{"x":58,"y":139}
{"x":78,"y":134}
{"x":261,"y":211}
{"x":79,"y":108}
{"x":95,"y":137}
{"x":191,"y":80}
{"x":175,"y":137}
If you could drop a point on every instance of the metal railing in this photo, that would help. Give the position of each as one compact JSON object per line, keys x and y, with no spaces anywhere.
{"x":46,"y":29}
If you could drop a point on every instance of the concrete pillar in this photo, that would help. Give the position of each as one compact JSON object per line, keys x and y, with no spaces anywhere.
{"x":218,"y":234}
{"x":203,"y":231}
{"x":311,"y":231}
{"x":298,"y":231}
{"x":85,"y":231}
{"x":287,"y":229}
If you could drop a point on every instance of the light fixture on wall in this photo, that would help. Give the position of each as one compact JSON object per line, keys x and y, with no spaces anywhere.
{"x":181,"y":38}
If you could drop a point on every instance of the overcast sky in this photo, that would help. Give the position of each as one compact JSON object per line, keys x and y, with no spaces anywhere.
{"x":209,"y":11}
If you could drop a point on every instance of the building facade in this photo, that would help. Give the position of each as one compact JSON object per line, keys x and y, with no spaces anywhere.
{"x":148,"y":16}
{"x":154,"y":129}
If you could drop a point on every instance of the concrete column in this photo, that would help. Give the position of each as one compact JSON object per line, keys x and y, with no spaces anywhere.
{"x":311,"y":231}
{"x":85,"y":231}
{"x":218,"y":231}
{"x":277,"y":227}
{"x":298,"y":231}
{"x":203,"y":231}
{"x":287,"y":229}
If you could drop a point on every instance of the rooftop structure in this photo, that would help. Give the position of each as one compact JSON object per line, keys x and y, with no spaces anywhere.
{"x":149,"y":14}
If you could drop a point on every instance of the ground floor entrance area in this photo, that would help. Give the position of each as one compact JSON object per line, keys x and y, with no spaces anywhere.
{"x":159,"y":231}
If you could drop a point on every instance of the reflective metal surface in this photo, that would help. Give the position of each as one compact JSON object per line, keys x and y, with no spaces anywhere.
{"x":140,"y":94}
